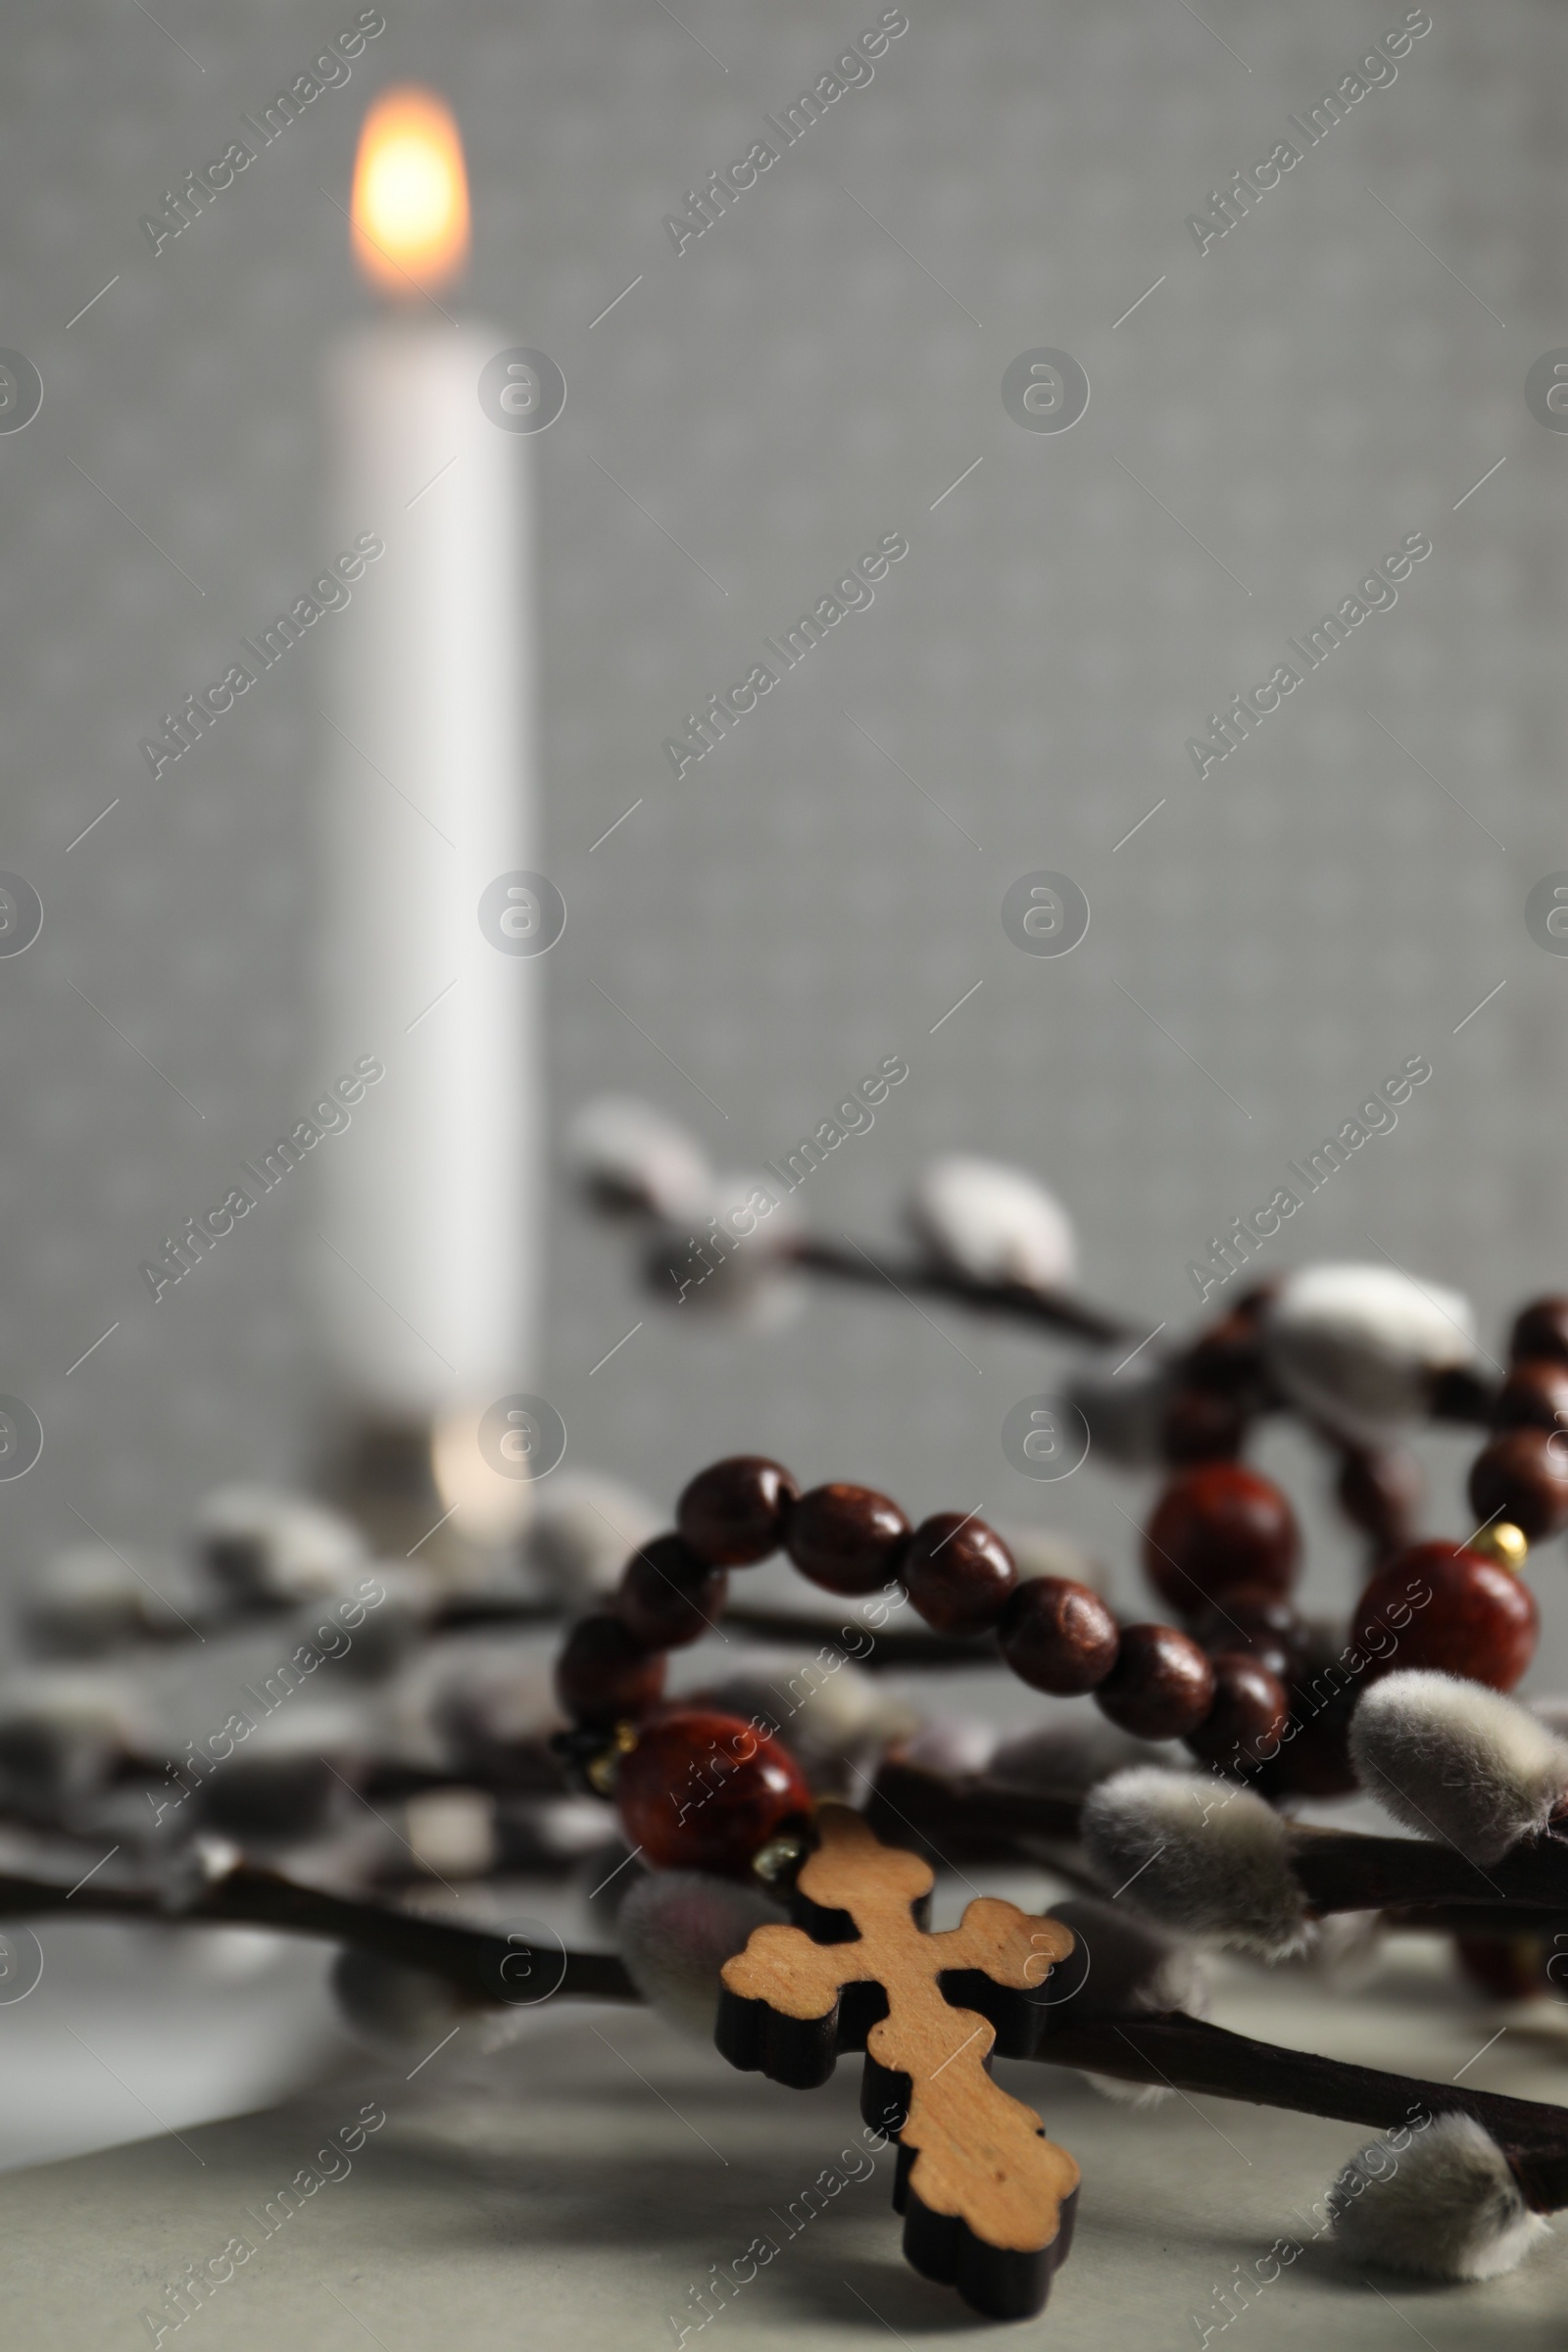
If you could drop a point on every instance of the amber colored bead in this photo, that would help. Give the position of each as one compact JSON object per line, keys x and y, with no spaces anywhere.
{"x":1444,"y":1606}
{"x":1522,"y":1476}
{"x":1535,"y":1396}
{"x":736,"y":1512}
{"x":1162,"y":1686}
{"x":1059,"y":1635}
{"x":1380,"y":1492}
{"x":847,"y":1539}
{"x":959,"y":1573}
{"x":1244,"y":1724}
{"x":604,"y":1673}
{"x":1216,"y":1528}
{"x":1540,"y":1329}
{"x":667,"y":1597}
{"x":705,"y":1790}
{"x":1202,"y":1425}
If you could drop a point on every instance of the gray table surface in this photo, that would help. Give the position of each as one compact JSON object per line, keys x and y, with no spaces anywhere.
{"x":572,"y":2187}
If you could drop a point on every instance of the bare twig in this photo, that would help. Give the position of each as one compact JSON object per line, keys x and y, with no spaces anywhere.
{"x":1047,"y":1310}
{"x":1192,"y":2055}
{"x":485,"y":1965}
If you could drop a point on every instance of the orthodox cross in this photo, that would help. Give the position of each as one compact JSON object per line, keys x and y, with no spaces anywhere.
{"x":987,"y":2199}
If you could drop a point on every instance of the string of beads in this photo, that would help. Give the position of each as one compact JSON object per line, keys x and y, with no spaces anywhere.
{"x":1243,"y":1681}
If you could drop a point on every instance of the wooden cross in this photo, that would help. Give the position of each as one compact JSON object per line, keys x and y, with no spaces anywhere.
{"x":987,"y":2200}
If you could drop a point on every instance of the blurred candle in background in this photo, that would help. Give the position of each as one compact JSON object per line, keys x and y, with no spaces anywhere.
{"x":427,"y":1283}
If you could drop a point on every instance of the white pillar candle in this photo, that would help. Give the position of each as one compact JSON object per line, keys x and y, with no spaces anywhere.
{"x":424,"y":1264}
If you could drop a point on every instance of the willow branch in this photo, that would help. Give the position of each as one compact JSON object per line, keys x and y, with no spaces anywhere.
{"x":1183,"y":2052}
{"x":1177,"y":2051}
{"x":1190,"y":2055}
{"x":969,"y":1811}
{"x":488,"y":1966}
{"x":1344,"y":1870}
{"x":923,"y":1278}
{"x":1338,"y":1870}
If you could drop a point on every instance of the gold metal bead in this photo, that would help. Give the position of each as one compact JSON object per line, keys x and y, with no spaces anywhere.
{"x":600,"y":1772}
{"x":1504,"y":1542}
{"x":779,"y":1854}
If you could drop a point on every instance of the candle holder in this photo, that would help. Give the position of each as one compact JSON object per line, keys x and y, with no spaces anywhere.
{"x":419,"y":1489}
{"x":381,"y":1471}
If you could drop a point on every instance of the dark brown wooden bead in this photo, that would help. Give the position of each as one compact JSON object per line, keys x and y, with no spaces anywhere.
{"x":1202,"y":1425}
{"x":959,"y":1573}
{"x":736,"y":1512}
{"x":1535,"y":1396}
{"x":1522,"y":1476}
{"x":604,"y":1674}
{"x":1162,"y":1686}
{"x":667,"y":1597}
{"x":1216,"y":1528}
{"x":847,"y":1539}
{"x":1228,"y":1355}
{"x":1255,"y":1621}
{"x":1540,"y":1329}
{"x":1244,"y":1724}
{"x":1380,"y":1492}
{"x":1315,"y":1758}
{"x":1059,"y":1635}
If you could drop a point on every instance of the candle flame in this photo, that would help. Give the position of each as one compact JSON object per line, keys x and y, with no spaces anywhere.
{"x":410,"y":193}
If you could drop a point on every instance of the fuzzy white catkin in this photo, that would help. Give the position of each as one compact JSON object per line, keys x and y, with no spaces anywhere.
{"x":1345,"y":1948}
{"x":1446,"y":2207}
{"x":1452,"y":1759}
{"x":731,"y":1259}
{"x":951,"y":1744}
{"x":61,"y":1735}
{"x":993,"y":1223}
{"x":264,"y":1543}
{"x":676,"y":1929}
{"x":1128,"y":1964}
{"x":88,"y":1599}
{"x":1358,"y":1345}
{"x":629,"y":1155}
{"x":1200,"y":1857}
{"x":283,"y":1784}
{"x":484,"y":1709}
{"x":391,"y":2009}
{"x":389,"y":1633}
{"x":1120,"y":1966}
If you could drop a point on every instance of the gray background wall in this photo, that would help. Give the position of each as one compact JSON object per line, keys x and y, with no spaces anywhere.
{"x":800,"y":380}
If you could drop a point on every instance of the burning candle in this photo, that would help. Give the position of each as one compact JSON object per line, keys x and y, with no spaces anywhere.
{"x":426,"y":1285}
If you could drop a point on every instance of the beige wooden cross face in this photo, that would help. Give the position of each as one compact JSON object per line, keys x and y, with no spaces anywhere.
{"x":978,"y":2159}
